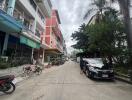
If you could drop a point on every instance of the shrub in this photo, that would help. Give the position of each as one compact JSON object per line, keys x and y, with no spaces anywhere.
{"x":4,"y":65}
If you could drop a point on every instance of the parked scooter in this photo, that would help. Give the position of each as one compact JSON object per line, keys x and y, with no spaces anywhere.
{"x":6,"y":84}
{"x":30,"y":69}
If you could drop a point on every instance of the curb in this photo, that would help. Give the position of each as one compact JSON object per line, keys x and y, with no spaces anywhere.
{"x":123,"y":79}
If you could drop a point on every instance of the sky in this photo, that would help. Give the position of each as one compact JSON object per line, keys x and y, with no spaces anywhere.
{"x":71,"y":14}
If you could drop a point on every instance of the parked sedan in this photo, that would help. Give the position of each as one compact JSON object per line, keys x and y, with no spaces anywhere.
{"x":95,"y":68}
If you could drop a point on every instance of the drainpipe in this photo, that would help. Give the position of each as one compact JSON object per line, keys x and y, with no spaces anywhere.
{"x":5,"y":44}
{"x":10,"y":9}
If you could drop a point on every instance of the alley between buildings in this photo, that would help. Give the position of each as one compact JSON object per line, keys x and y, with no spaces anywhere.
{"x":66,"y":83}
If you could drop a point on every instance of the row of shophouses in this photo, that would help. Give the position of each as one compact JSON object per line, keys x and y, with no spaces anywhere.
{"x":30,"y":29}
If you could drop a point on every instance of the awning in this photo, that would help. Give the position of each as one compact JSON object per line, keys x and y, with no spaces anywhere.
{"x":9,"y":24}
{"x":54,"y":51}
{"x":29,"y":42}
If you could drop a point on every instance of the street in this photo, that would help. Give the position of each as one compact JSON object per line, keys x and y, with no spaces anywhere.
{"x":66,"y":83}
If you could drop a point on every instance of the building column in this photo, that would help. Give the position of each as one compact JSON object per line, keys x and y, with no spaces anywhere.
{"x":11,"y":6}
{"x":5,"y":44}
{"x":32,"y":57}
{"x":43,"y":56}
{"x":35,"y":21}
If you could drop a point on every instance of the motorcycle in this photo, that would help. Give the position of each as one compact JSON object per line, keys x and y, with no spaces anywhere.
{"x":6,"y":85}
{"x":30,"y":69}
{"x":38,"y":70}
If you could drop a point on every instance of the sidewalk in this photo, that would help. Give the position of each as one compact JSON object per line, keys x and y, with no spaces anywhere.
{"x":123,"y":78}
{"x":17,"y":71}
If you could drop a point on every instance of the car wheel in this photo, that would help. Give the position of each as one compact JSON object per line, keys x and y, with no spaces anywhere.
{"x":88,"y":74}
{"x":84,"y":70}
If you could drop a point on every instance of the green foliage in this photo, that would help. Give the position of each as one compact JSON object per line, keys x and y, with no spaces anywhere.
{"x":99,"y":6}
{"x":81,"y":38}
{"x":3,"y":64}
{"x":106,"y":36}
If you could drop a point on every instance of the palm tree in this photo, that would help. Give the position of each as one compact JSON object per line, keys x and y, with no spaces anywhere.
{"x":99,"y":7}
{"x":124,"y":8}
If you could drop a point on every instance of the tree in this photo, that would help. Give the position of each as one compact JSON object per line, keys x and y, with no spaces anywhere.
{"x":124,"y":51}
{"x":107,"y":36}
{"x":81,"y":38}
{"x":124,"y":8}
{"x":99,"y":7}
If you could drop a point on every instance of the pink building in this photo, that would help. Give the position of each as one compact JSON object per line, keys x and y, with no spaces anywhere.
{"x":52,"y":37}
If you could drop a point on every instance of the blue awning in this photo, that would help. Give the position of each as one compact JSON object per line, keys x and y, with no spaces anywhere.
{"x":9,"y":24}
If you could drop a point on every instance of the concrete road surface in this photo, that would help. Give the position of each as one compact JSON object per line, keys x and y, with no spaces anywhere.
{"x":66,"y":83}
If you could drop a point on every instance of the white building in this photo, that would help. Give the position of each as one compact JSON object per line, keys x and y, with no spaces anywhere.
{"x":22,"y":21}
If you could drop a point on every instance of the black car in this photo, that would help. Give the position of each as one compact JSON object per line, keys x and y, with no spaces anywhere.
{"x":95,"y":68}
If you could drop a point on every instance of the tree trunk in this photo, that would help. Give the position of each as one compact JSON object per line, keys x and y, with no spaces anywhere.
{"x":124,"y":6}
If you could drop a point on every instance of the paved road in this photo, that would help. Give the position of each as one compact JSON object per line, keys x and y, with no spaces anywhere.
{"x":66,"y":83}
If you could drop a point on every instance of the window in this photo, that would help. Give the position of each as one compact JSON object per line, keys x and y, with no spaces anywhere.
{"x":18,"y":15}
{"x":40,"y":15}
{"x":37,"y":33}
{"x":26,"y":23}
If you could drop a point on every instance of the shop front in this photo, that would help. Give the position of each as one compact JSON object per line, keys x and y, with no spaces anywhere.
{"x":2,"y":36}
{"x":34,"y":45}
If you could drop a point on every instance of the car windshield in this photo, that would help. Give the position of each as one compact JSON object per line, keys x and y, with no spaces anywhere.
{"x":95,"y":61}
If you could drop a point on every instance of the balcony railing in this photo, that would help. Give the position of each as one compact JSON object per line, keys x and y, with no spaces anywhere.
{"x":17,"y":23}
{"x":45,"y":6}
{"x":33,"y":4}
{"x":10,"y":21}
{"x":37,"y":33}
{"x":1,"y":6}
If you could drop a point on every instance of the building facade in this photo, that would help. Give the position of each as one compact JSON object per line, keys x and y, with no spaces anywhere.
{"x":64,"y":48}
{"x":53,"y":37}
{"x":22,"y":23}
{"x":130,"y":9}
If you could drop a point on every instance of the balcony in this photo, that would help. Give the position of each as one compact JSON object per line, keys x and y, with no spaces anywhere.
{"x":45,"y":6}
{"x":9,"y":24}
{"x":28,"y":33}
{"x":40,"y":20}
{"x":28,"y":7}
{"x":57,"y":32}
